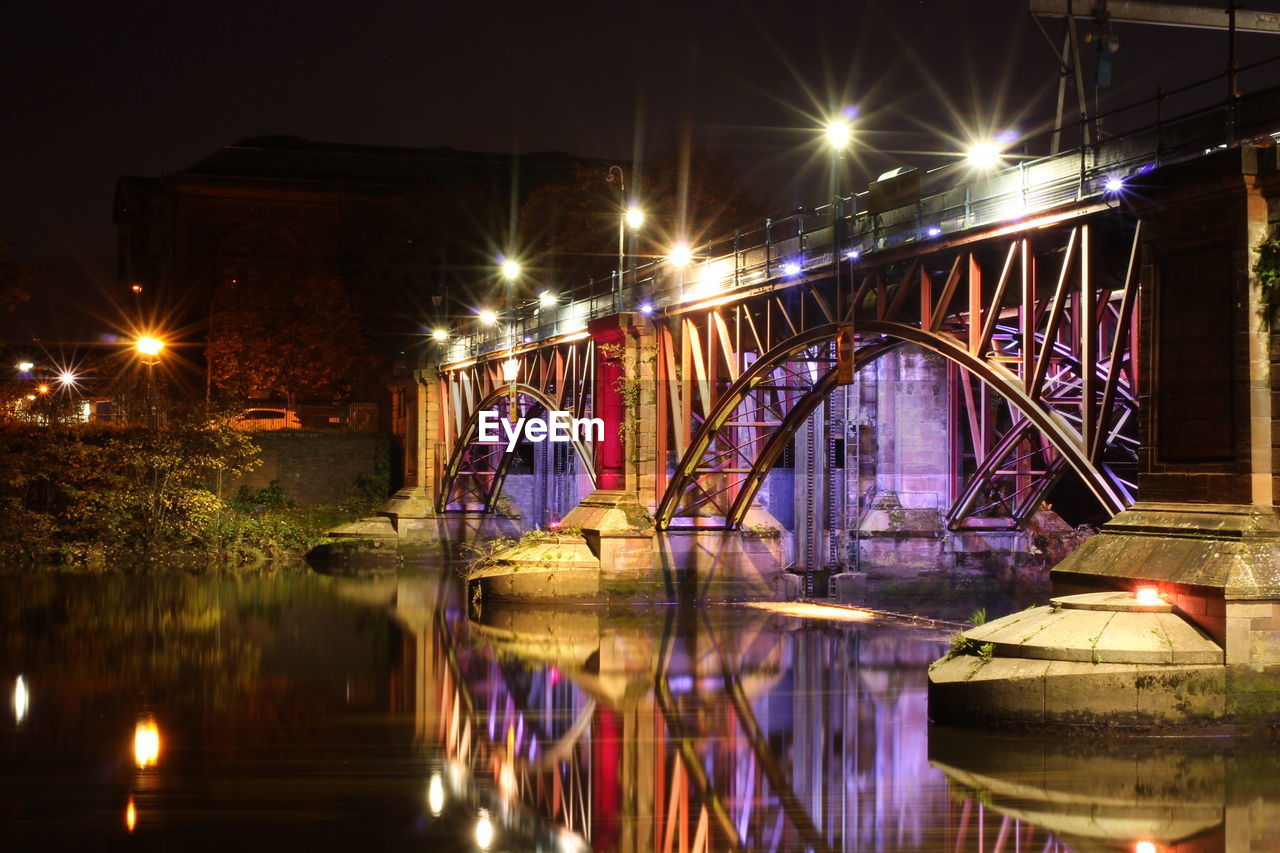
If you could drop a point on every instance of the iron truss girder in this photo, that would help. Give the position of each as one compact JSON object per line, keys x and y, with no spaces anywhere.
{"x":1037,"y":315}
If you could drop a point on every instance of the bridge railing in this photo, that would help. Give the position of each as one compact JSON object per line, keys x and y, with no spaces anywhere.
{"x":952,"y":199}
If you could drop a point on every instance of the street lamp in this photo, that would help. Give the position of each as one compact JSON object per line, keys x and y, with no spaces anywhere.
{"x":148,"y":346}
{"x":547,"y":299}
{"x":439,"y":335}
{"x":632,"y":217}
{"x":487,"y":317}
{"x":510,"y":269}
{"x":983,"y":155}
{"x":680,"y":256}
{"x":838,"y":133}
{"x":26,"y":366}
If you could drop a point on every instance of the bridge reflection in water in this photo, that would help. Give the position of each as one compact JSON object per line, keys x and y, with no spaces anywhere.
{"x":692,"y":730}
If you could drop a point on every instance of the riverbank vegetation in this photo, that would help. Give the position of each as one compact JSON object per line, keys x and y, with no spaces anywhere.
{"x":100,"y":497}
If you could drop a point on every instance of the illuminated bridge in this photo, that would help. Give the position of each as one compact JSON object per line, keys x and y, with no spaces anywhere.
{"x":1090,"y":313}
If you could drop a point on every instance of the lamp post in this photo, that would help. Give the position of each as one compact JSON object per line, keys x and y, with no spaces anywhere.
{"x":149,"y":349}
{"x":630,"y":217}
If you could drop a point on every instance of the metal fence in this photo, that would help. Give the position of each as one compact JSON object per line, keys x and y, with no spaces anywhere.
{"x":952,"y":199}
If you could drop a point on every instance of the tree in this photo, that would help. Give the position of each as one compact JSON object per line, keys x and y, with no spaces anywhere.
{"x":286,"y":334}
{"x":13,"y":278}
{"x":569,"y":234}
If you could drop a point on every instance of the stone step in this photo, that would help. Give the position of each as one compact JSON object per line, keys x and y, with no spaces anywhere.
{"x":1098,"y":628}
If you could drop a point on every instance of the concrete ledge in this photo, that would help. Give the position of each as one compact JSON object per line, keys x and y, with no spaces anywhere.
{"x":967,"y":690}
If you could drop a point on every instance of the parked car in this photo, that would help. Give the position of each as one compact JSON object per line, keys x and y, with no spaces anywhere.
{"x":259,"y":420}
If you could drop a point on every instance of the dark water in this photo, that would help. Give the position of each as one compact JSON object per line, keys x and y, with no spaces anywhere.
{"x":310,"y":712}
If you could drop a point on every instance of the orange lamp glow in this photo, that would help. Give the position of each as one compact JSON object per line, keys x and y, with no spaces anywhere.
{"x":148,"y":345}
{"x":146,"y":743}
{"x":1149,"y":595}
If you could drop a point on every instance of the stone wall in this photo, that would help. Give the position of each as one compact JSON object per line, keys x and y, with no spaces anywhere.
{"x":317,"y":467}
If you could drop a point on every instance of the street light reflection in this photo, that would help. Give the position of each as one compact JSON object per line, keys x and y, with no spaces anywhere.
{"x":484,"y":830}
{"x":146,"y":743}
{"x":435,"y":795}
{"x":21,"y":700}
{"x":130,"y":815}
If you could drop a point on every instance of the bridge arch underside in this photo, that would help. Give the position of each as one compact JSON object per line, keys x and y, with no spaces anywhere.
{"x":477,"y":470}
{"x":1019,"y":447}
{"x":1040,"y":383}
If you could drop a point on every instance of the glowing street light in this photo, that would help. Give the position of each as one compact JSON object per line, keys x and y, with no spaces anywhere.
{"x":148,"y":345}
{"x":547,"y":299}
{"x":510,"y":270}
{"x":680,"y":255}
{"x":1114,"y":184}
{"x":634,"y":217}
{"x":838,"y":134}
{"x":983,"y":155}
{"x":43,"y":389}
{"x":67,"y":378}
{"x":25,"y":367}
{"x":487,"y":317}
{"x":440,"y":335}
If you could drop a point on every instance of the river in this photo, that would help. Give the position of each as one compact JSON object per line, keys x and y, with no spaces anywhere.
{"x":312,"y":712}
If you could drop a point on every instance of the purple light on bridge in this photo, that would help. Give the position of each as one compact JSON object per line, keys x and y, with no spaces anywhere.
{"x":853,"y":254}
{"x":1114,"y":184}
{"x":646,"y":308}
{"x":791,"y":268}
{"x":934,"y":231}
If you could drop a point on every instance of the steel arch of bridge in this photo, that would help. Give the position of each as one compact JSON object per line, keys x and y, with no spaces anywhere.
{"x":559,"y":376}
{"x":743,"y":376}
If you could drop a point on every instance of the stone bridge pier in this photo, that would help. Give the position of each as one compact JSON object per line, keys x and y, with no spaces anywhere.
{"x":1205,"y":528}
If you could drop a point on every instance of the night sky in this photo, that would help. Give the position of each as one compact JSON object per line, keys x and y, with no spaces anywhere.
{"x":91,"y":91}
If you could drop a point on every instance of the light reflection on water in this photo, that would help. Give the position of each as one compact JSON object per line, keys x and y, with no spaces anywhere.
{"x":380,"y":714}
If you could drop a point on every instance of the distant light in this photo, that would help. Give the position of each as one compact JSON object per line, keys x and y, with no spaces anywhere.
{"x":839,"y":133}
{"x":67,"y":378}
{"x":680,"y":255}
{"x":43,"y":389}
{"x":137,"y":288}
{"x":510,"y":370}
{"x":484,"y":830}
{"x":510,"y":270}
{"x":130,"y":815}
{"x":1149,"y":595}
{"x":21,"y":700}
{"x":853,"y":254}
{"x":634,"y":217}
{"x":31,"y":396}
{"x":1144,"y":847}
{"x":25,"y":366}
{"x":791,"y":268}
{"x":1114,"y":184}
{"x":983,"y":155}
{"x":487,"y":317}
{"x":646,"y":308}
{"x":934,"y":231}
{"x":435,"y":795}
{"x":547,"y":299}
{"x":439,"y":335}
{"x":146,"y":743}
{"x":148,"y":345}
